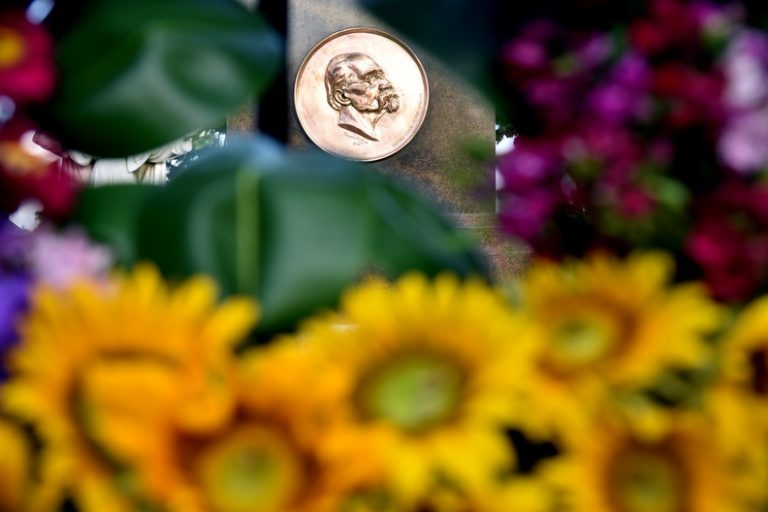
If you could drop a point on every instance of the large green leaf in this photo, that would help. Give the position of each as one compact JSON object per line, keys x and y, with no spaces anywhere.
{"x":458,"y":32}
{"x":137,"y":74}
{"x":293,"y":229}
{"x":110,"y":214}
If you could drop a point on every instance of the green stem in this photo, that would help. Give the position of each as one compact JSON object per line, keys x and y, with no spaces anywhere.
{"x":246,"y":231}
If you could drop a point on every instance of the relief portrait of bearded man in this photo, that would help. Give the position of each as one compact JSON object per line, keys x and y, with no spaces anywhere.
{"x":360,"y":91}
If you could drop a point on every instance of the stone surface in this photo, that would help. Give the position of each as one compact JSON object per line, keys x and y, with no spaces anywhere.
{"x":437,"y":161}
{"x":243,"y":120}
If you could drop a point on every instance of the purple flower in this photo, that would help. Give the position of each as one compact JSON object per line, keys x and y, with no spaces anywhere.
{"x":14,"y":292}
{"x":547,"y":92}
{"x":529,"y":165}
{"x":14,"y":243}
{"x":526,"y":54}
{"x":714,"y":18}
{"x":632,"y":71}
{"x":594,"y":52}
{"x":624,"y":95}
{"x":613,"y":103}
{"x":742,"y":145}
{"x":524,"y":216}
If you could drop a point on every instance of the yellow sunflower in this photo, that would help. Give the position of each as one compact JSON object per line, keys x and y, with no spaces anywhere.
{"x":95,"y":367}
{"x":427,"y":369}
{"x":519,"y":494}
{"x":606,"y":323}
{"x":14,"y":467}
{"x":739,"y":396}
{"x":271,"y":455}
{"x":613,"y":468}
{"x":736,"y":428}
{"x":516,"y":495}
{"x":744,"y":358}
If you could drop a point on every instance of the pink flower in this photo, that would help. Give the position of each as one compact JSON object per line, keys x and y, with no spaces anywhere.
{"x":58,"y":259}
{"x":746,"y":70}
{"x":743,"y":145}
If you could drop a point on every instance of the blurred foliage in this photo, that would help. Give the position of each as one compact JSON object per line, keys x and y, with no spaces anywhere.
{"x":291,"y":229}
{"x":112,"y":220}
{"x":201,"y":141}
{"x":458,"y":32}
{"x":136,"y":75}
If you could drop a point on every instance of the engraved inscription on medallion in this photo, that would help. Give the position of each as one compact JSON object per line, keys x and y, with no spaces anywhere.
{"x":361,"y":94}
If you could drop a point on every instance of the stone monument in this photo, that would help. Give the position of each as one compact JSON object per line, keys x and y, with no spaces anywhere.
{"x":436,"y":160}
{"x":447,"y":159}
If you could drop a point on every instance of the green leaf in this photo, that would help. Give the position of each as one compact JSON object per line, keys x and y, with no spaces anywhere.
{"x":294,"y":230}
{"x":458,"y":32}
{"x":110,"y":215}
{"x":137,"y":74}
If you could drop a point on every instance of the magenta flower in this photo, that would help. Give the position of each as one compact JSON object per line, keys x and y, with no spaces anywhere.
{"x":530,"y":164}
{"x":730,"y":240}
{"x":624,"y":96}
{"x":26,"y":63}
{"x":594,"y":52}
{"x":524,"y":216}
{"x":614,"y":148}
{"x":24,"y":175}
{"x":730,"y":259}
{"x":526,"y":54}
{"x":532,"y":174}
{"x":614,"y":103}
{"x":634,"y":202}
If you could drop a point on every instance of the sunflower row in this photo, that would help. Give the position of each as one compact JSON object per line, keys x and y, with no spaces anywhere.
{"x":601,"y":388}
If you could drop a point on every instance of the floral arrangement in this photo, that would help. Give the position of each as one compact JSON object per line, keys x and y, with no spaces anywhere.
{"x":643,"y":133}
{"x":27,"y":76}
{"x":414,"y":395}
{"x":206,"y":345}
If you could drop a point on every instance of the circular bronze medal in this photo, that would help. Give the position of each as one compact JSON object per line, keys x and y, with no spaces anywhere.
{"x":361,"y":94}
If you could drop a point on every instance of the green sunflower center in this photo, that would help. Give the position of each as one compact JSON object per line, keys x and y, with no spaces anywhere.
{"x":647,"y":480}
{"x":12,"y":47}
{"x":581,"y":340}
{"x":414,"y":391}
{"x":252,"y":469}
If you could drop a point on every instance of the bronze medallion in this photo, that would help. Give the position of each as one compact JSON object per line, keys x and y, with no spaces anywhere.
{"x":361,"y":94}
